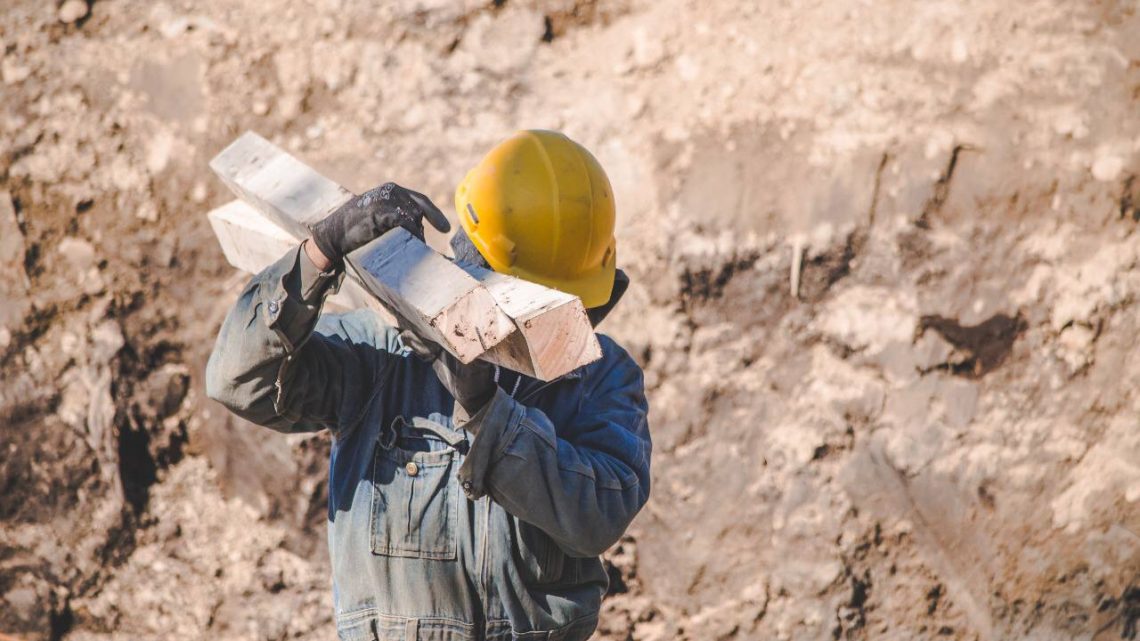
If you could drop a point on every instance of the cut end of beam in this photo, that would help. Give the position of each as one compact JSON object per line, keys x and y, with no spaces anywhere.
{"x":450,"y":306}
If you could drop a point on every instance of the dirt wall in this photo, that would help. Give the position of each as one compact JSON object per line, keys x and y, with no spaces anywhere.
{"x":884,"y":262}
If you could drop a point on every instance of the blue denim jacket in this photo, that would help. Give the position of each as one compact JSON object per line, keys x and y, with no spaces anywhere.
{"x":434,"y":532}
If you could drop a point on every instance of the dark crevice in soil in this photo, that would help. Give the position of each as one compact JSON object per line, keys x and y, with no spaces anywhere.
{"x":137,"y":468}
{"x":1128,"y":616}
{"x":873,"y":209}
{"x":580,"y":13}
{"x":61,"y":622}
{"x":822,"y":272}
{"x":851,"y":617}
{"x":1130,"y":613}
{"x":708,"y":283}
{"x":547,"y":29}
{"x":617,"y":583}
{"x":933,"y":598}
{"x":983,"y":347}
{"x":941,"y":191}
{"x":1130,"y":199}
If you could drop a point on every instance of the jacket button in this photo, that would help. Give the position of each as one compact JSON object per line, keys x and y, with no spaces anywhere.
{"x":411,"y":468}
{"x":273,"y":307}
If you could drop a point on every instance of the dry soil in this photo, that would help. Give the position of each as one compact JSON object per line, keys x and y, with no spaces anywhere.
{"x":885,"y":279}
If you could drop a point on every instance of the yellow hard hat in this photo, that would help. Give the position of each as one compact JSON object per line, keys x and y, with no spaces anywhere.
{"x":539,"y":206}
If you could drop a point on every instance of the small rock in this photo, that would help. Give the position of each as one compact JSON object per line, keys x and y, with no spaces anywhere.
{"x":159,"y":151}
{"x":648,"y":48}
{"x":636,"y":104}
{"x":174,"y":27}
{"x":688,"y":68}
{"x":199,"y":193}
{"x":74,"y":399}
{"x":13,"y":278}
{"x":1075,"y":346}
{"x":959,"y":52}
{"x":1132,"y":493}
{"x":163,"y":253}
{"x":147,"y":211}
{"x":166,"y":388}
{"x":92,"y":283}
{"x":69,"y":344}
{"x":13,"y":72}
{"x":1107,"y":168}
{"x":33,"y":362}
{"x":168,"y":529}
{"x":5,"y":337}
{"x":106,"y":341}
{"x":78,"y":252}
{"x":1071,"y":124}
{"x":932,"y":350}
{"x":72,"y":10}
{"x":22,"y":600}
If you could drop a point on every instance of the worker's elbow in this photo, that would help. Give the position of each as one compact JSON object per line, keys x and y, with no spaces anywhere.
{"x":218,"y":390}
{"x":594,"y":542}
{"x":222,"y":384}
{"x":597,"y":537}
{"x":595,"y":546}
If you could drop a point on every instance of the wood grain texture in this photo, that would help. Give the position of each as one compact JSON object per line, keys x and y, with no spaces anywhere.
{"x":278,"y":185}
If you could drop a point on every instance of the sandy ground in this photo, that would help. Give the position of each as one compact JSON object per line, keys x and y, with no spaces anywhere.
{"x":934,"y":434}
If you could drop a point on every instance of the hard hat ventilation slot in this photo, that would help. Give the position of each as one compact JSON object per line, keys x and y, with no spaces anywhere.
{"x":471,"y":212}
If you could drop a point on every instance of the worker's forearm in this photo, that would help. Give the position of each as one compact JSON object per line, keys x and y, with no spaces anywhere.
{"x":273,"y":317}
{"x":318,"y":259}
{"x":306,"y":287}
{"x":582,"y":497}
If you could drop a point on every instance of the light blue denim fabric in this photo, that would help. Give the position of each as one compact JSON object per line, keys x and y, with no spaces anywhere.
{"x":436,"y":533}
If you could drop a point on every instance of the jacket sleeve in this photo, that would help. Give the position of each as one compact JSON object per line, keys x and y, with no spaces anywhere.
{"x":582,"y":483}
{"x":270,"y":367}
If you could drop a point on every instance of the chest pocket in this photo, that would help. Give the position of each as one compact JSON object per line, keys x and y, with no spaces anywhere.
{"x":414,"y":498}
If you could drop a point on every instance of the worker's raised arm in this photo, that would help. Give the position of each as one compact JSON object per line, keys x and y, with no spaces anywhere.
{"x":581,"y":483}
{"x":267,"y":365}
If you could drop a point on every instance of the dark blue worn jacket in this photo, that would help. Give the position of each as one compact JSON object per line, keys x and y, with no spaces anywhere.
{"x":435,"y":533}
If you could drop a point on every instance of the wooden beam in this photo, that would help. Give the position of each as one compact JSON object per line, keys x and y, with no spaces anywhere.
{"x":421,"y":286}
{"x":442,"y":302}
{"x":540,"y":332}
{"x":251,"y":242}
{"x":552,"y":334}
{"x":466,"y":322}
{"x":278,"y":185}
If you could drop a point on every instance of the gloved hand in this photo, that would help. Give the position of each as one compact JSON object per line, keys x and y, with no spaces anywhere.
{"x":472,"y":385}
{"x":371,"y":215}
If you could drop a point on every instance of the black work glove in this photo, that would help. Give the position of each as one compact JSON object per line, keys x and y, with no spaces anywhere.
{"x":472,"y":385}
{"x":371,"y":215}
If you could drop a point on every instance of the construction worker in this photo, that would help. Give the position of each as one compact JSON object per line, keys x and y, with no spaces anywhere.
{"x":465,"y":501}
